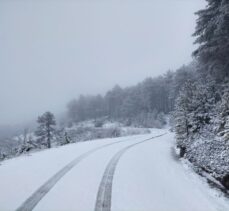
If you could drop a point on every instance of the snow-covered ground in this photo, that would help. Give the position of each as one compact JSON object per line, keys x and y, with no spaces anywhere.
{"x":147,"y":177}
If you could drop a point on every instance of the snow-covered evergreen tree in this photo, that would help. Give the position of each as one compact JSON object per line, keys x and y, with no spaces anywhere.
{"x":183,"y":113}
{"x":195,"y":111}
{"x":45,"y":130}
{"x":212,"y":33}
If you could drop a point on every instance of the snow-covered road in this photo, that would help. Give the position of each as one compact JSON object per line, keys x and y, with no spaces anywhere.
{"x":129,"y":173}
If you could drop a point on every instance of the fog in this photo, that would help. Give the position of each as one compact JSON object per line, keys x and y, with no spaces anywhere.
{"x":52,"y":51}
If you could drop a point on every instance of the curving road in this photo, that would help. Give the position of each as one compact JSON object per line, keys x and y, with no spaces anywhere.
{"x":34,"y":199}
{"x":130,"y":173}
{"x":104,"y":196}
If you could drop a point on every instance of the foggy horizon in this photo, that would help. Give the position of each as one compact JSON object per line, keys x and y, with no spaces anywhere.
{"x":52,"y":53}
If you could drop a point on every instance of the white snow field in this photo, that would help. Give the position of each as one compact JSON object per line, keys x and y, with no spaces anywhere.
{"x":122,"y":175}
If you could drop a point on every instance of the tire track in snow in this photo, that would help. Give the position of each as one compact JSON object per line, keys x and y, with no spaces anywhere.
{"x":104,"y":195}
{"x":34,"y":199}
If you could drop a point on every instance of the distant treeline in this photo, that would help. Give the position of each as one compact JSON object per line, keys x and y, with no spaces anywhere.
{"x":150,"y":99}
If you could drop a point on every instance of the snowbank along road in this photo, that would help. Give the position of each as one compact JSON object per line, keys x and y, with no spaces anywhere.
{"x":128,"y":173}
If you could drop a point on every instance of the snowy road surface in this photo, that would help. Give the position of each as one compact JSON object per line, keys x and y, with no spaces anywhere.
{"x":129,"y":173}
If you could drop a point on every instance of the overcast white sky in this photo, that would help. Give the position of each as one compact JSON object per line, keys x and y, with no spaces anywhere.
{"x":53,"y":50}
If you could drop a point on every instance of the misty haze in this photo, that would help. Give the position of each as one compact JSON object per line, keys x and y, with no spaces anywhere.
{"x":124,"y":101}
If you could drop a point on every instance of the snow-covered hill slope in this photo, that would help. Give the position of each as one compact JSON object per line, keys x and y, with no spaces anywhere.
{"x":128,"y":173}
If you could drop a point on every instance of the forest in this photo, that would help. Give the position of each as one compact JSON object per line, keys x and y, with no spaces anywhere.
{"x":201,"y":112}
{"x":143,"y":105}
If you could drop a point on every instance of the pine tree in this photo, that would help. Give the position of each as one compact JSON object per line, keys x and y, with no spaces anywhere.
{"x":212,"y":32}
{"x":190,"y":112}
{"x":181,"y":113}
{"x":181,"y":119}
{"x":45,"y":130}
